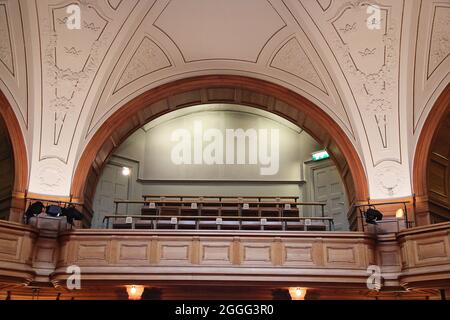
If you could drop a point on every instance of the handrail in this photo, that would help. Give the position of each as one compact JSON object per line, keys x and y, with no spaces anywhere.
{"x":379,"y":204}
{"x":218,"y":197}
{"x":361,"y":207}
{"x":53,"y":201}
{"x":221,"y":202}
{"x":175,"y":219}
{"x":210,"y":217}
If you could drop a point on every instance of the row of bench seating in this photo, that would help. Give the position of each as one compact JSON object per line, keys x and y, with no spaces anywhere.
{"x":219,"y":212}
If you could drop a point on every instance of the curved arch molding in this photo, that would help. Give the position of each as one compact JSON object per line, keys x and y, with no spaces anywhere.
{"x":427,"y":136}
{"x":217,"y":89}
{"x":20,"y":158}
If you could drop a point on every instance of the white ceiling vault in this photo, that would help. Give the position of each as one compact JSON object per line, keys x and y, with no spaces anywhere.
{"x":377,"y":84}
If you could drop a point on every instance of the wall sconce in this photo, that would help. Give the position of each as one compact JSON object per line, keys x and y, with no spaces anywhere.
{"x":135,"y":292}
{"x":399,"y":213}
{"x":126,"y":171}
{"x":297,"y":293}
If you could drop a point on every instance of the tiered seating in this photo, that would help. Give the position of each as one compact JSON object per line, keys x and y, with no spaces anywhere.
{"x":220,"y":213}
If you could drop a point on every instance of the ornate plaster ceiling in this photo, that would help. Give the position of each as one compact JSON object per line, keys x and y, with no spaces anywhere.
{"x":377,"y":83}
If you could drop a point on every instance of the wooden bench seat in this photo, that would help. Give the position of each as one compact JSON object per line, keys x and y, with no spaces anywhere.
{"x":144,"y":224}
{"x":120,"y":223}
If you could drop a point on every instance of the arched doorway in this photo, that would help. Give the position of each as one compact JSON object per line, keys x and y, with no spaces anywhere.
{"x":13,"y":182}
{"x":431,"y":171}
{"x":218,"y":89}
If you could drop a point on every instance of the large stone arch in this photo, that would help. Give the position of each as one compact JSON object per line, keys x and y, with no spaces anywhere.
{"x":19,"y":156}
{"x":428,"y":139}
{"x":217,"y":89}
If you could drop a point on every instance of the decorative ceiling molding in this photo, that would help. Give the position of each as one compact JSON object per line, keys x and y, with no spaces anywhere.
{"x":291,"y":58}
{"x":114,"y":4}
{"x":6,"y":51}
{"x":325,"y":4}
{"x":319,"y":49}
{"x":71,"y":60}
{"x":439,"y":46}
{"x":369,"y":61}
{"x":210,"y":28}
{"x":330,"y":100}
{"x":148,"y":58}
{"x":13,"y":58}
{"x":431,"y":62}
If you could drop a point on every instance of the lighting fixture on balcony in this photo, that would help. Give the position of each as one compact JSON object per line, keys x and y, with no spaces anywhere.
{"x":297,"y":293}
{"x":135,"y":292}
{"x":399,"y":213}
{"x":373,"y":215}
{"x":126,"y":171}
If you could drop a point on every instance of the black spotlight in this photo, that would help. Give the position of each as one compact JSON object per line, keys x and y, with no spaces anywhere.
{"x":373,"y":215}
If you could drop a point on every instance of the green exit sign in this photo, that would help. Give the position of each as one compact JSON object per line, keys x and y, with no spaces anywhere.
{"x":316,"y":156}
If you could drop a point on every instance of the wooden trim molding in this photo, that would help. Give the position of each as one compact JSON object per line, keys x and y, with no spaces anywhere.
{"x":20,"y":158}
{"x":218,"y":89}
{"x":426,"y":139}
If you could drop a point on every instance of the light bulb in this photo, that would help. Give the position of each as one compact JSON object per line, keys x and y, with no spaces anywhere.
{"x":297,"y":293}
{"x":134,"y":292}
{"x":126,"y":171}
{"x":399,"y":213}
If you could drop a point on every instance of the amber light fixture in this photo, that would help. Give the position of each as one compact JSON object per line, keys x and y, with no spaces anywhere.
{"x":297,"y":293}
{"x":399,"y":213}
{"x":135,"y":292}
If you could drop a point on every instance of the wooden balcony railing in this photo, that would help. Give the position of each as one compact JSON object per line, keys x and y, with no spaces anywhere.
{"x":219,"y":223}
{"x":418,"y":257}
{"x":227,"y":213}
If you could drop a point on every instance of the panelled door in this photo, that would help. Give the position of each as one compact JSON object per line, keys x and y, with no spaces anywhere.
{"x":113,"y":185}
{"x":328,"y":188}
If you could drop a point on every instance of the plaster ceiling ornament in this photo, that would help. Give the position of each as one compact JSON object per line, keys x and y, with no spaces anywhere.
{"x":369,"y":59}
{"x":431,"y":59}
{"x":71,"y":59}
{"x":114,"y":4}
{"x":51,"y":177}
{"x":389,"y":178}
{"x":325,"y":4}
{"x":147,"y":58}
{"x":292,"y":58}
{"x":440,"y":38}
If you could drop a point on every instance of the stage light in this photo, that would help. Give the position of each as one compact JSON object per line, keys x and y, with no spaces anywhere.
{"x":373,"y":215}
{"x":126,"y":171}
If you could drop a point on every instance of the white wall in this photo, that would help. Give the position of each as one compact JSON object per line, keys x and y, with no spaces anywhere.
{"x":147,"y":153}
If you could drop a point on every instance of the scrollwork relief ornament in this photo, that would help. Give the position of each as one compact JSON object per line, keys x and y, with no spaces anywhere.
{"x":389,"y":178}
{"x":71,"y":59}
{"x":369,"y":59}
{"x":51,"y":177}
